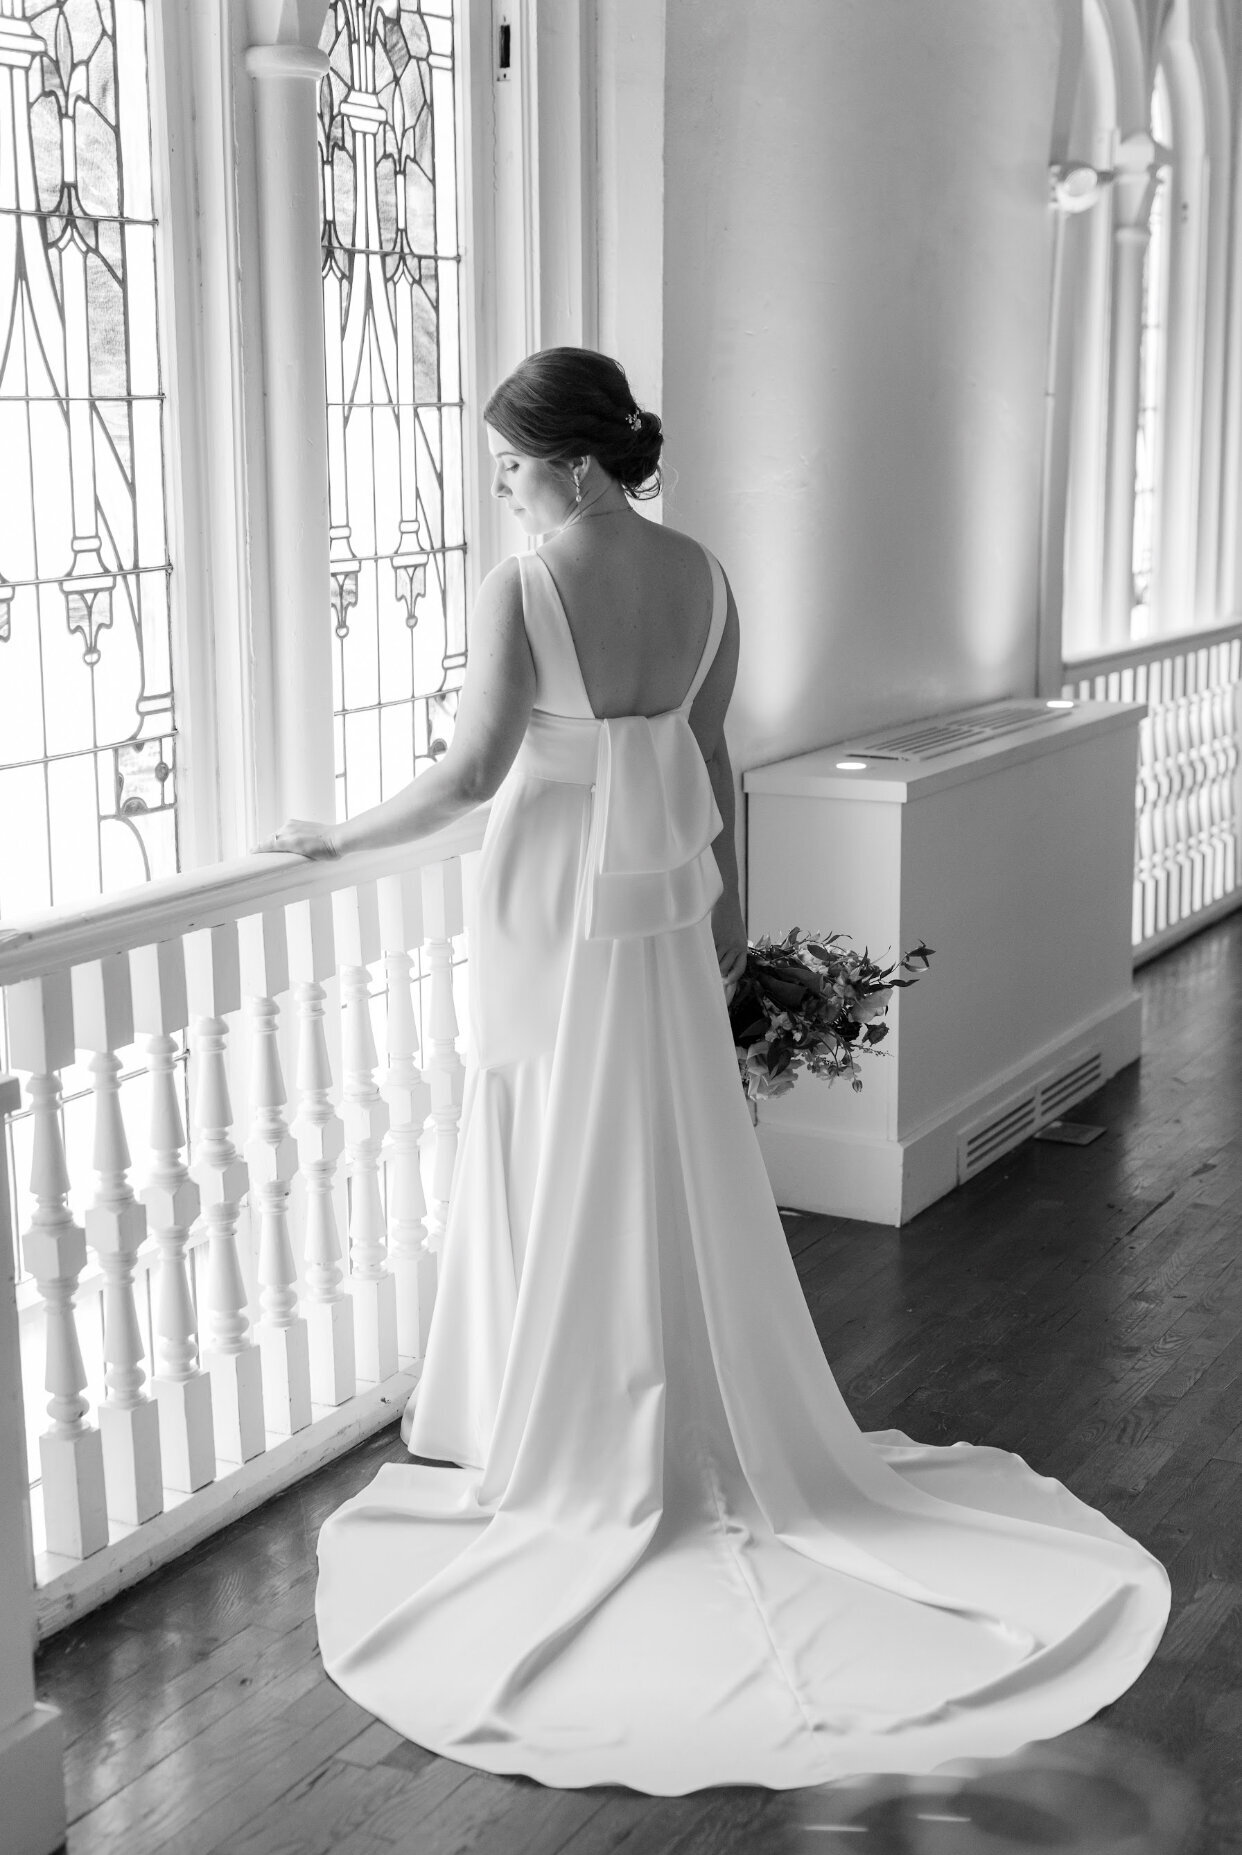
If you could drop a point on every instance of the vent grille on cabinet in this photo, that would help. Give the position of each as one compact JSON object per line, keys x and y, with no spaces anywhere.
{"x":929,"y":739}
{"x":1009,"y":1127}
{"x":1062,"y":1091}
{"x":1017,"y":1119}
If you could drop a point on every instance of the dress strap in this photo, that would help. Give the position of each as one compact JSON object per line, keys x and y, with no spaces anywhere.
{"x":715,"y":631}
{"x":558,"y":679}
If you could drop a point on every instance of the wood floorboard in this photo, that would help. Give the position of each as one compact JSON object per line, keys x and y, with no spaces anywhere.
{"x":1082,"y":1306}
{"x":172,"y":1714}
{"x":506,"y":1816}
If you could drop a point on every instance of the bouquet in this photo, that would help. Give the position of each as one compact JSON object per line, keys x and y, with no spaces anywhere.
{"x":809,"y":1002}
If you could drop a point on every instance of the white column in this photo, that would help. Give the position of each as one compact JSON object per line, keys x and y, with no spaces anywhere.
{"x":116,"y":1227}
{"x":295,"y":684}
{"x":40,"y":1015}
{"x":629,"y":156}
{"x":1076,"y":189}
{"x":213,"y":987}
{"x":321,"y":1141}
{"x":565,"y":174}
{"x":409,"y":1101}
{"x":1133,"y":192}
{"x":1214,"y":392}
{"x":272,"y":1155}
{"x":32,"y":1790}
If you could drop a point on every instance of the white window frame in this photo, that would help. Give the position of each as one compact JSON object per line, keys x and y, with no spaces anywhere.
{"x":203,"y":107}
{"x":552,"y":156}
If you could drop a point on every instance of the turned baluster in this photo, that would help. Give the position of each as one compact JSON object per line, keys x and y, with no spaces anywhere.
{"x":1205,"y":835}
{"x":1217,"y":764}
{"x":180,"y":1387}
{"x":365,"y":1115}
{"x":1178,"y":767}
{"x":1221,"y":780}
{"x":231,"y":1355}
{"x":1148,"y":788}
{"x":272,"y":1156}
{"x":409,"y":1100}
{"x":445,"y":1071}
{"x":40,"y":1014}
{"x":1196,"y":773}
{"x":1201,"y":733}
{"x":116,"y":1228}
{"x":329,"y":1310}
{"x":1160,"y":811}
{"x":1231,"y":719}
{"x":1212,"y":763}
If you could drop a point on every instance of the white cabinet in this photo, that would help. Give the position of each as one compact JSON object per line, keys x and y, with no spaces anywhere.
{"x":1004,"y":838}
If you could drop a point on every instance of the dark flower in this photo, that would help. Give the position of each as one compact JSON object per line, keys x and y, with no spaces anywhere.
{"x":810,"y":1003}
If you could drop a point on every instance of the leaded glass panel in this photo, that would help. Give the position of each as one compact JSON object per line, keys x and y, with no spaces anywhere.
{"x":391,"y":270}
{"x":87,"y":728}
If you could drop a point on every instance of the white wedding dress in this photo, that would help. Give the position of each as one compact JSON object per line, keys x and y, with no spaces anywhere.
{"x":669,"y":1558}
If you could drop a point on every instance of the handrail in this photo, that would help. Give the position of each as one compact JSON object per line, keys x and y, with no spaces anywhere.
{"x":207,"y":897}
{"x":1130,"y":656}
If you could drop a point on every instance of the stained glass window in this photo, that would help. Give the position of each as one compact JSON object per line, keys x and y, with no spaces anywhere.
{"x":391,"y":268}
{"x":87,"y":731}
{"x":1152,"y":372}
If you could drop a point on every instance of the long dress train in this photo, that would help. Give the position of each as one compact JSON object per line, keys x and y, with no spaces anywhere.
{"x":669,"y":1558}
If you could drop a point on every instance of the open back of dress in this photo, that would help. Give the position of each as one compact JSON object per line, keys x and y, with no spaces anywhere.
{"x":669,"y":1558}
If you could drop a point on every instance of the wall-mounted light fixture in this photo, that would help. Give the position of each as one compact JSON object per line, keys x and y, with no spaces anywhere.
{"x":1076,"y":186}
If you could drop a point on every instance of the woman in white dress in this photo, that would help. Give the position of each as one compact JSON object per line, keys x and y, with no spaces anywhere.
{"x":643,"y":1541}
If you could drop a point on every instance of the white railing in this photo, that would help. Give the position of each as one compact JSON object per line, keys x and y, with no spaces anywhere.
{"x":1188,"y":813}
{"x":189,"y":1318}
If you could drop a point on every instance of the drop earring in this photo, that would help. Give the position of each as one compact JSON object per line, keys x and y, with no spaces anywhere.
{"x":577,"y":486}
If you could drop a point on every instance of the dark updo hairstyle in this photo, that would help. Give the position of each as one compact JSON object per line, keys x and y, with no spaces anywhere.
{"x":563,"y":403}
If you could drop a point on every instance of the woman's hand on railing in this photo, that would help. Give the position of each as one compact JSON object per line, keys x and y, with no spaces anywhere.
{"x":301,"y":837}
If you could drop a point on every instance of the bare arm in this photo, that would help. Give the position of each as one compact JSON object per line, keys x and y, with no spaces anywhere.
{"x":720,"y":769}
{"x":707,"y":718}
{"x":429,"y":803}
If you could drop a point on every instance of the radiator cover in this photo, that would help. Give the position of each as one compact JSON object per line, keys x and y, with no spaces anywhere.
{"x":1003,"y":836}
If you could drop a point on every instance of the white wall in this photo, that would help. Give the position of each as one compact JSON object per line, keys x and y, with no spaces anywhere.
{"x":856,"y":294}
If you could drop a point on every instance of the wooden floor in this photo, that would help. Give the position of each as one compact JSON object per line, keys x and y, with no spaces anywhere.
{"x":1082,"y":1306}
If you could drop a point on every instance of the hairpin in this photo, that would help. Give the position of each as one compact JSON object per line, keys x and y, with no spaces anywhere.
{"x":634,"y":420}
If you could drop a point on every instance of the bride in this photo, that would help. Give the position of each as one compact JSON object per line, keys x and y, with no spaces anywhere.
{"x":641,"y":1540}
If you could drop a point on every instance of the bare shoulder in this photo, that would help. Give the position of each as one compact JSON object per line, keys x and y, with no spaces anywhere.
{"x":685,"y":554}
{"x":503,"y":584}
{"x":499,"y":600}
